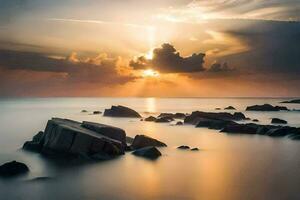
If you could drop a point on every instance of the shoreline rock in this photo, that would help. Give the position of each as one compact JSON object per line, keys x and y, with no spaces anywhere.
{"x":278,"y":121}
{"x":13,"y":168}
{"x":121,"y":111}
{"x":230,"y":108}
{"x":266,"y":107}
{"x":150,"y":152}
{"x":292,"y":101}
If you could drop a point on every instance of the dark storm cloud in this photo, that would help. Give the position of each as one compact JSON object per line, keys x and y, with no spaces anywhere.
{"x":166,"y":59}
{"x":218,"y":67}
{"x":273,"y":46}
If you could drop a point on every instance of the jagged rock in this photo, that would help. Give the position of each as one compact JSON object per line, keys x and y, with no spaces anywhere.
{"x":195,"y":149}
{"x":121,"y":111}
{"x":150,"y":119}
{"x":266,"y":107}
{"x":230,"y":108}
{"x":278,"y":121}
{"x":141,"y":141}
{"x":68,"y":138}
{"x":97,"y":112}
{"x":164,"y":119}
{"x":183,"y":147}
{"x":292,"y":101}
{"x":148,"y":152}
{"x":13,"y":168}
{"x":213,"y":123}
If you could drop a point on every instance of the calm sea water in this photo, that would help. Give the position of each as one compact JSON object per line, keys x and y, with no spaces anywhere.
{"x":227,"y":167}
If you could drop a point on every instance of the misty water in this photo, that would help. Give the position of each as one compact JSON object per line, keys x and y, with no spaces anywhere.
{"x":226,"y":167}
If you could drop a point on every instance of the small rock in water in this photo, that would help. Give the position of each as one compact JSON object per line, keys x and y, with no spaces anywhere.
{"x":195,"y":149}
{"x":84,"y":111}
{"x":217,"y":108}
{"x":179,"y":123}
{"x":255,"y":120}
{"x":13,"y":168}
{"x":164,"y":120}
{"x":97,"y":112}
{"x":148,"y":152}
{"x":141,"y":141}
{"x":150,"y":119}
{"x":278,"y":121}
{"x":230,"y":108}
{"x":121,"y":111}
{"x":183,"y":147}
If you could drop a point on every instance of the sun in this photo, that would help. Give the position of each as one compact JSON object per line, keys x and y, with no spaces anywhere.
{"x":150,"y":73}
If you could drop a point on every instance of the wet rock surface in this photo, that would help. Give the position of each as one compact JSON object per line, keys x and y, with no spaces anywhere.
{"x":148,"y":152}
{"x":141,"y":141}
{"x":14,"y":168}
{"x":278,"y":121}
{"x":121,"y":111}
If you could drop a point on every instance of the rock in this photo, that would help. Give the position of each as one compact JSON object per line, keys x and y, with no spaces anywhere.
{"x":255,"y":120}
{"x":13,"y":168}
{"x":165,"y":119}
{"x":171,"y":115}
{"x":282,"y":131}
{"x":266,"y":107}
{"x":65,"y":138}
{"x":213,"y":123}
{"x":41,"y":179}
{"x":141,"y":141}
{"x":195,"y":149}
{"x":84,"y":111}
{"x":121,"y":111}
{"x":292,"y":101}
{"x":97,"y":112}
{"x":230,"y":108}
{"x":195,"y":116}
{"x":148,"y":152}
{"x":35,"y":144}
{"x":150,"y":119}
{"x":217,"y":108}
{"x":129,"y":140}
{"x":239,"y":116}
{"x":278,"y":121}
{"x":241,"y":128}
{"x":183,"y":147}
{"x":179,"y":123}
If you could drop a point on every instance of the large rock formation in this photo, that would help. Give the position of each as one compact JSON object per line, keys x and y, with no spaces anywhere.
{"x":68,"y":138}
{"x":13,"y":168}
{"x":266,"y":107}
{"x":197,"y":115}
{"x":121,"y":111}
{"x":141,"y":141}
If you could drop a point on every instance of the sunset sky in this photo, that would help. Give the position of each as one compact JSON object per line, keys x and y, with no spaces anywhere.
{"x":183,"y":48}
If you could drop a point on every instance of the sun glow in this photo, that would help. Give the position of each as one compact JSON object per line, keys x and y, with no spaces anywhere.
{"x":150,"y":73}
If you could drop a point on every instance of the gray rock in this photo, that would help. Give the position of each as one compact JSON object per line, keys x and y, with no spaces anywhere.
{"x":68,"y":138}
{"x":148,"y":152}
{"x":278,"y":121}
{"x":266,"y":107}
{"x":141,"y":141}
{"x":121,"y":111}
{"x":13,"y":168}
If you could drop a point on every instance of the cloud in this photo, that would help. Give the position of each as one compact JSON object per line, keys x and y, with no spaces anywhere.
{"x":166,"y":59}
{"x":218,"y":67}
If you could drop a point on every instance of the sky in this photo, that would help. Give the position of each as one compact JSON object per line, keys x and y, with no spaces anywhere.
{"x":158,"y":48}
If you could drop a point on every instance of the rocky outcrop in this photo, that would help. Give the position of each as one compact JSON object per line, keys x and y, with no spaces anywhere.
{"x":197,"y":115}
{"x":13,"y":168}
{"x":150,"y":119}
{"x":266,"y":107}
{"x":121,"y":111}
{"x":292,"y":101}
{"x":165,"y":119}
{"x":171,"y":115}
{"x":141,"y":141}
{"x":230,"y":108}
{"x":240,"y":128}
{"x":278,"y":121}
{"x":68,"y":138}
{"x":148,"y":152}
{"x":213,"y":123}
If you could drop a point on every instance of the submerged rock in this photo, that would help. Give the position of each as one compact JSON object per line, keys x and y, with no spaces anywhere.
{"x":266,"y":107}
{"x":179,"y":123}
{"x":240,"y":128}
{"x":68,"y":139}
{"x":195,"y":149}
{"x":292,"y":101}
{"x":84,"y":111}
{"x":97,"y":112}
{"x":278,"y":121}
{"x":165,"y":119}
{"x":141,"y":141}
{"x":255,"y":120}
{"x":148,"y":152}
{"x":230,"y":108}
{"x":121,"y":111}
{"x":184,"y":147}
{"x":171,"y":115}
{"x":150,"y":119}
{"x":13,"y":168}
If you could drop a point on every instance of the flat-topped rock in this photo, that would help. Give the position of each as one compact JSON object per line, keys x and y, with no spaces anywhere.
{"x":266,"y":107}
{"x":64,"y":138}
{"x":141,"y":141}
{"x":292,"y":101}
{"x":195,"y":116}
{"x":278,"y":121}
{"x":13,"y":168}
{"x":148,"y":152}
{"x":121,"y":111}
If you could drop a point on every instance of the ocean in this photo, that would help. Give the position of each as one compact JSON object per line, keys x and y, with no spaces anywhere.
{"x":228,"y":166}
